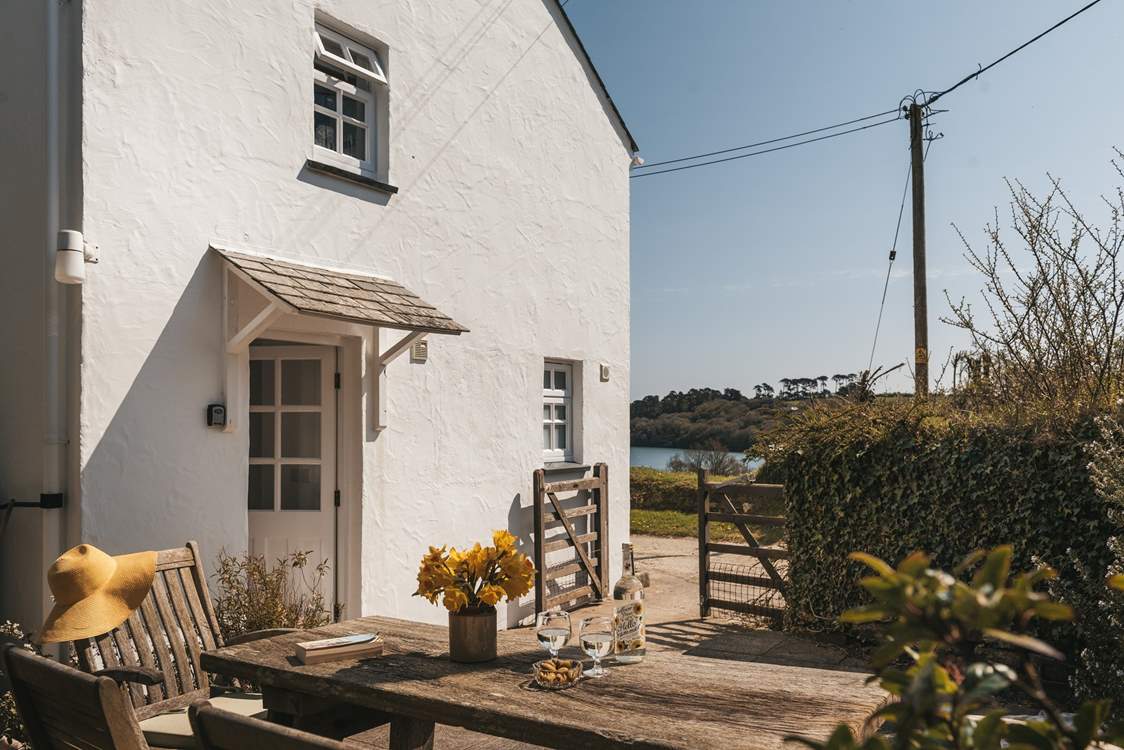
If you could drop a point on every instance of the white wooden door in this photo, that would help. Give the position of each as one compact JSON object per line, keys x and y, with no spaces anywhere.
{"x":292,"y":480}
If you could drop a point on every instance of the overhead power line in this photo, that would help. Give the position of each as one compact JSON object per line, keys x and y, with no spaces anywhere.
{"x":1024,"y":45}
{"x":766,"y":143}
{"x":893,"y":256}
{"x":767,"y":150}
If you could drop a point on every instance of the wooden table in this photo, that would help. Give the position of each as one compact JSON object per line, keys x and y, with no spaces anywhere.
{"x":670,"y":700}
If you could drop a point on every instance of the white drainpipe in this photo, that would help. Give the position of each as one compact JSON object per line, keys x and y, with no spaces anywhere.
{"x":55,"y":426}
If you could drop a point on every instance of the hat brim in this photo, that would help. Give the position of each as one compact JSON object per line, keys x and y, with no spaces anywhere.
{"x":106,"y":608}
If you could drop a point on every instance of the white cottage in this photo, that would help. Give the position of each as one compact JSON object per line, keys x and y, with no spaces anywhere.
{"x":341,"y":275}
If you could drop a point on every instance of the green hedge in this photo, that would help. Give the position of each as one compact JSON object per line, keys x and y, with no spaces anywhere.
{"x":652,"y":489}
{"x":891,"y":478}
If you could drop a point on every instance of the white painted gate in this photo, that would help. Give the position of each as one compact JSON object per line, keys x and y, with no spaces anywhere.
{"x":292,"y":477}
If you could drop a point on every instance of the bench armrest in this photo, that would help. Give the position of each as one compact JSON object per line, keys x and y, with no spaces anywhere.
{"x":257,"y":635}
{"x":142,"y":675}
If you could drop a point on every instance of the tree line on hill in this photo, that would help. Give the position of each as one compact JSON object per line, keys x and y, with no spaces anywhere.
{"x":794,"y":389}
{"x":727,"y":419}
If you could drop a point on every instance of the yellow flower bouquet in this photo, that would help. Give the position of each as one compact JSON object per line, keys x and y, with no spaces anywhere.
{"x":476,"y":578}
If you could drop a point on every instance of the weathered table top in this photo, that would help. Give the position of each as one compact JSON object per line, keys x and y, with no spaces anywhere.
{"x":670,"y":700}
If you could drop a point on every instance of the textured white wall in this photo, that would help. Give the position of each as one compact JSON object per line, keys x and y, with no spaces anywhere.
{"x":512,"y":217}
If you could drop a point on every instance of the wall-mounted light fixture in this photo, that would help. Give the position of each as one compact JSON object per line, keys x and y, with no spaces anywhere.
{"x":71,"y":256}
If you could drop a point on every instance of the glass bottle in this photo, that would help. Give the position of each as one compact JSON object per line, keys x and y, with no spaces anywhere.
{"x":628,"y":613}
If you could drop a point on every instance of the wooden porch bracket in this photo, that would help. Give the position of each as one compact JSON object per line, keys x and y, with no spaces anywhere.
{"x":399,"y":348}
{"x":236,"y":343}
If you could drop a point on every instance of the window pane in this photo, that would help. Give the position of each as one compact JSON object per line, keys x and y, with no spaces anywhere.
{"x":546,"y":412}
{"x":355,"y":141}
{"x":324,"y":97}
{"x":546,"y":380}
{"x":261,"y":382}
{"x":260,"y":495}
{"x":261,"y":434}
{"x":332,"y":46}
{"x":546,"y":437}
{"x":560,"y":412}
{"x":300,"y":487}
{"x":300,"y":382}
{"x":559,"y":380}
{"x":354,"y":108}
{"x":300,"y":435}
{"x":361,"y":59}
{"x":331,"y":70}
{"x":560,"y":436}
{"x":325,"y":131}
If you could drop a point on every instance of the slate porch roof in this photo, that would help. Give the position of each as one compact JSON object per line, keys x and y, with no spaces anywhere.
{"x":361,"y":298}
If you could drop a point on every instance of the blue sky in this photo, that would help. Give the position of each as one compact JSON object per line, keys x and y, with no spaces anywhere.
{"x":773,"y":266}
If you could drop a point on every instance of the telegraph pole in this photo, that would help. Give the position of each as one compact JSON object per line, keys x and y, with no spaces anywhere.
{"x":920,"y":303}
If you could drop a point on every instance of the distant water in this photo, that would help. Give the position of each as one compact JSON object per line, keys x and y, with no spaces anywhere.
{"x":657,"y":458}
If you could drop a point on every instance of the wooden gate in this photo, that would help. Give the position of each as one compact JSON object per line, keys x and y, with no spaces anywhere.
{"x":583,"y":517}
{"x":733,"y":502}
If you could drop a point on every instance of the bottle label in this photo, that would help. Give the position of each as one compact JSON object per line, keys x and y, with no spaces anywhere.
{"x":630,"y":627}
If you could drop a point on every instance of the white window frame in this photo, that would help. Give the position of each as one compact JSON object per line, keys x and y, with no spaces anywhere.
{"x":553,"y":400}
{"x":336,"y":157}
{"x":375,"y":73}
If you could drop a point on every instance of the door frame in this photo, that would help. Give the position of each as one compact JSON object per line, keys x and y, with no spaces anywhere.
{"x":349,"y":423}
{"x":330,"y":435}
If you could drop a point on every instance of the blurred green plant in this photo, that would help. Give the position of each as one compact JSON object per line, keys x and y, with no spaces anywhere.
{"x":946,"y":692}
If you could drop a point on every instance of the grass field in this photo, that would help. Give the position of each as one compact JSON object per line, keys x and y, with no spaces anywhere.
{"x":677,"y":523}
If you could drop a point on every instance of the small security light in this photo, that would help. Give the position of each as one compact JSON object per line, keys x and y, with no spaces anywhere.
{"x":71,"y":257}
{"x":637,"y":160}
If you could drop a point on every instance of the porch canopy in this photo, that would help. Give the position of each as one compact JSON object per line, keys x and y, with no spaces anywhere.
{"x":288,"y":287}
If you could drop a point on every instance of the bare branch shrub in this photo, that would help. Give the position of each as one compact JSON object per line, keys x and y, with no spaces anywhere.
{"x":256,"y":596}
{"x":1051,"y":337}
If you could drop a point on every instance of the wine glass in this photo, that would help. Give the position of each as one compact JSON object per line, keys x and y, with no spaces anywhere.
{"x":553,"y":630}
{"x":596,"y":640}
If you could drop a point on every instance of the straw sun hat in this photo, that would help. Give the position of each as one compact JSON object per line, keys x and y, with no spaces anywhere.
{"x":93,"y":592}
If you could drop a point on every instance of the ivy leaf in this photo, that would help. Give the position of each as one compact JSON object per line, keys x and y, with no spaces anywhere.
{"x":1025,"y":641}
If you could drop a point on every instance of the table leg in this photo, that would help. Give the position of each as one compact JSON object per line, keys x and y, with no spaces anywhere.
{"x":410,"y":734}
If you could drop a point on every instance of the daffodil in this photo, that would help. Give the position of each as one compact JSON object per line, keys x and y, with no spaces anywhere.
{"x":455,"y":599}
{"x":504,"y":540}
{"x":476,"y":577}
{"x":490,"y":594}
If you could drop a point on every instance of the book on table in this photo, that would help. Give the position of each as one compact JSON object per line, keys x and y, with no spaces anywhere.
{"x":353,"y":646}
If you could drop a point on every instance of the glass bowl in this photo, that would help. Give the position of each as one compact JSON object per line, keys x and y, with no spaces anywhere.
{"x":557,"y":674}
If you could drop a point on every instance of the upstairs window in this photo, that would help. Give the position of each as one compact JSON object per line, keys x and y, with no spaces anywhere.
{"x":347,"y":76}
{"x":557,"y":412}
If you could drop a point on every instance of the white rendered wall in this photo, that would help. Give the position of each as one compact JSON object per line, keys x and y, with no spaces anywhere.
{"x":512,"y":218}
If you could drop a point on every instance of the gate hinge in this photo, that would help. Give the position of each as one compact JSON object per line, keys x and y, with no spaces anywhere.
{"x":337,"y":381}
{"x":336,"y":497}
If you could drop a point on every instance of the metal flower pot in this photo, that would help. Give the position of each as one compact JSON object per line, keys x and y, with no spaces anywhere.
{"x":472,"y":635}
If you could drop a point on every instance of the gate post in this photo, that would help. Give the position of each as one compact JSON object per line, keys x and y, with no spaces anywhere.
{"x":601,"y":500}
{"x":540,"y":540}
{"x":704,"y":538}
